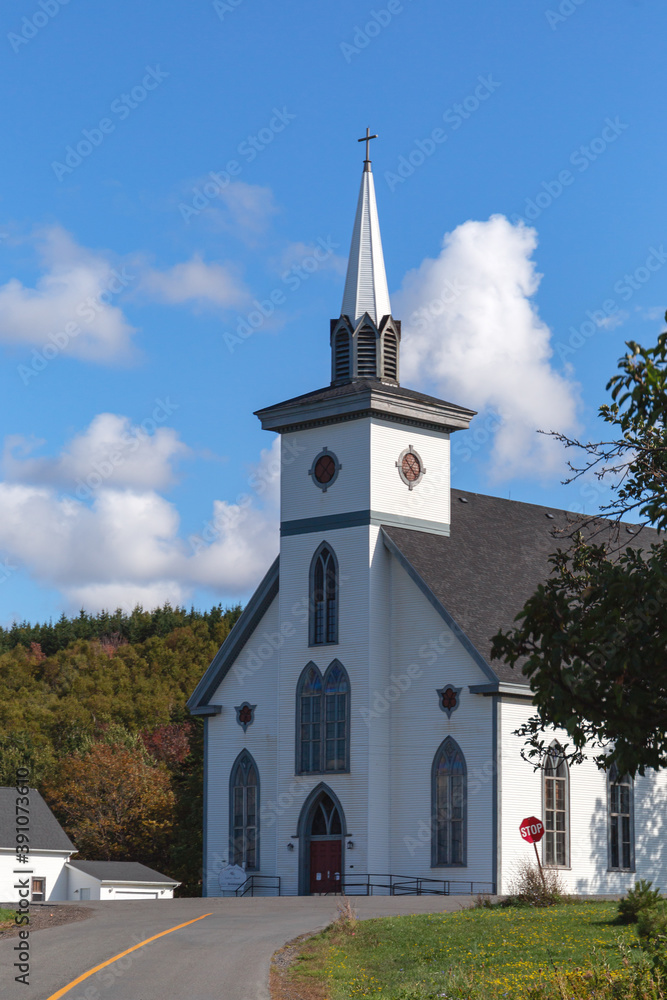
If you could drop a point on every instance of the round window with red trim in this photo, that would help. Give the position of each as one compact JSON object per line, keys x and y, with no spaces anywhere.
{"x":324,"y":470}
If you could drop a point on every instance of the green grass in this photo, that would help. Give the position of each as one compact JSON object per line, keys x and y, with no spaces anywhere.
{"x":486,"y":953}
{"x":6,"y":916}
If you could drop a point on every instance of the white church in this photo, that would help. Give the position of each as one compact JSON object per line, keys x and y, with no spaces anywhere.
{"x":359,"y":737}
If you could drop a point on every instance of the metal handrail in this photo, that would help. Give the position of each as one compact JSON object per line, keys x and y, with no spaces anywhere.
{"x":413,"y":885}
{"x":254,"y":881}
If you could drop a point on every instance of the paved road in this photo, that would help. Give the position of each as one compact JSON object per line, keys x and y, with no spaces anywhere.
{"x":224,"y":957}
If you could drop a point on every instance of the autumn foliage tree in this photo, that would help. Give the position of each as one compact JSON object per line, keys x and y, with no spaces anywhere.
{"x":115,"y":802}
{"x":592,"y":639}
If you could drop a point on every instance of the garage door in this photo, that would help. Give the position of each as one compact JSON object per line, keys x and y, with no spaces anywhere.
{"x":139,"y":894}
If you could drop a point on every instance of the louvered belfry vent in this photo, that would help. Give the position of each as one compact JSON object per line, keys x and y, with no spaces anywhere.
{"x":342,"y":370}
{"x":390,"y":356}
{"x":365,"y":340}
{"x":366,"y":353}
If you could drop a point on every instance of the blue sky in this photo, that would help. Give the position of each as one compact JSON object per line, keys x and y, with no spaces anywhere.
{"x":113,"y":120}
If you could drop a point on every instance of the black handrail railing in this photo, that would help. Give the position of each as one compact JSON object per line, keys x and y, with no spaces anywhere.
{"x":259,"y":882}
{"x":400,"y":885}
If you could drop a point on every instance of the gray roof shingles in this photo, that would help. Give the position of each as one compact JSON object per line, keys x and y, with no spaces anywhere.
{"x":44,"y":830}
{"x":492,"y":562}
{"x":121,"y":871}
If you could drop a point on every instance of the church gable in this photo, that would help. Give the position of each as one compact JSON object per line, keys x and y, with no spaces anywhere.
{"x":233,"y":651}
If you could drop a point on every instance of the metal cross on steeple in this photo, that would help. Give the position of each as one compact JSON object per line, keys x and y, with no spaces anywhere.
{"x":367,"y":138}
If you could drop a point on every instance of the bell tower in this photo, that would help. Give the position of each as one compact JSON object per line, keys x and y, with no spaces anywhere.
{"x":365,"y":340}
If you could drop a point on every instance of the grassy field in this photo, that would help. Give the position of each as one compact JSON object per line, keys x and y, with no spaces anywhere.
{"x":6,"y":916}
{"x":481,"y":953}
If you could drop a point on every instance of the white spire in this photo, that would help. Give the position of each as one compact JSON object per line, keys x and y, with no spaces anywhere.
{"x":366,"y":282}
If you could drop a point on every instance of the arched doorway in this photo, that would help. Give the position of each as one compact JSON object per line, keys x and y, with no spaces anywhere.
{"x":321,"y":843}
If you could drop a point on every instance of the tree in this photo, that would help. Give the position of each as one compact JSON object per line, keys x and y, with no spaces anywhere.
{"x":115,"y":802}
{"x":593,"y":638}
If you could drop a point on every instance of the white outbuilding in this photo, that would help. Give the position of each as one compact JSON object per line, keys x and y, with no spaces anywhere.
{"x":28,"y":821}
{"x":120,"y":880}
{"x":358,"y":732}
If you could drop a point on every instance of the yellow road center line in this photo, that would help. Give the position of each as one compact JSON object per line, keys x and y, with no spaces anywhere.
{"x":91,"y":972}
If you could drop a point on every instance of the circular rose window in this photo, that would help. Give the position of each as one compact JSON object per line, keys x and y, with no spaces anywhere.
{"x":324,"y":470}
{"x":410,"y":467}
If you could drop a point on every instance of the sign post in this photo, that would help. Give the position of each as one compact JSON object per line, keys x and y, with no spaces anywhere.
{"x":532,"y":831}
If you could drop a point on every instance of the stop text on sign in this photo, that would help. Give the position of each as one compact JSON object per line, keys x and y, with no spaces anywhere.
{"x":532,"y":829}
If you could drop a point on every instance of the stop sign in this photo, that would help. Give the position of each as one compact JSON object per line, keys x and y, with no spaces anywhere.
{"x":532,"y":829}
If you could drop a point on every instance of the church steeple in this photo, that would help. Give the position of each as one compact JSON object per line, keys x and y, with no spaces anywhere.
{"x":365,"y":340}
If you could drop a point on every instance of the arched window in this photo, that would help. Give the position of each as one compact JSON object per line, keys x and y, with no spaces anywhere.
{"x":366,"y":353}
{"x":309,"y":721}
{"x":621,"y":825}
{"x":244,"y":813}
{"x":342,"y":355}
{"x":449,"y":784}
{"x":323,"y":720}
{"x":556,"y":808}
{"x":390,"y":355}
{"x":323,"y":597}
{"x":336,"y":718}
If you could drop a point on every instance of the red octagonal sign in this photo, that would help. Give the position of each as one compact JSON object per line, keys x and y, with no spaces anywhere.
{"x":532,"y":829}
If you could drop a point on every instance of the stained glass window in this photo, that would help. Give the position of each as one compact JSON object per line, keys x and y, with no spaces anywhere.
{"x":449,"y":805}
{"x":556,"y":808}
{"x":245,"y":812}
{"x":621,"y":847}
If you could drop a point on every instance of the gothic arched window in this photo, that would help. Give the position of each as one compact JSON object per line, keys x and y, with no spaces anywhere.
{"x":449,"y":784}
{"x":621,"y":822}
{"x":323,"y":720}
{"x":342,"y":355}
{"x":336,"y":718}
{"x":556,"y":808}
{"x":390,"y":355}
{"x":244,"y":813}
{"x":323,"y":597}
{"x":366,"y":353}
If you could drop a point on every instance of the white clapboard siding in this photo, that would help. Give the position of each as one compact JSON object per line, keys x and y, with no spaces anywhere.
{"x":522,"y":795}
{"x":422,"y":640}
{"x":43,"y":864}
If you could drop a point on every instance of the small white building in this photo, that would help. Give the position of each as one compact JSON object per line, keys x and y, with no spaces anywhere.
{"x":43,"y":874}
{"x":117,"y":880}
{"x":356,"y":725}
{"x":48,"y":874}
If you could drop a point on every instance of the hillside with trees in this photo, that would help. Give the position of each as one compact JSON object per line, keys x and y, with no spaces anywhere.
{"x":95,"y":707}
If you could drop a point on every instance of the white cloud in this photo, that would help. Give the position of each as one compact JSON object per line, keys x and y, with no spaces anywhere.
{"x":125,"y":545}
{"x":294,"y":254}
{"x":75,"y":295}
{"x":111,"y":451}
{"x":245,"y":210}
{"x":196,"y":281}
{"x":471,"y":331}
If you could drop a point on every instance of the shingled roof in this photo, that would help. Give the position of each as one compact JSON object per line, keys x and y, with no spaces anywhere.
{"x":122,"y":871}
{"x":496,"y":555}
{"x":44,"y":830}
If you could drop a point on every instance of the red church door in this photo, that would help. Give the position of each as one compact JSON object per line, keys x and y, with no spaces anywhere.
{"x":325,"y":862}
